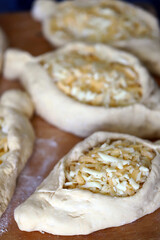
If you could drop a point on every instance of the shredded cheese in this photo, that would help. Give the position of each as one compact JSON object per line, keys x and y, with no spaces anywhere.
{"x":104,"y":23}
{"x":116,"y":167}
{"x":91,"y":80}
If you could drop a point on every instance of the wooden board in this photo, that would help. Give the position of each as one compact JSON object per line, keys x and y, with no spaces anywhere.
{"x":51,"y":144}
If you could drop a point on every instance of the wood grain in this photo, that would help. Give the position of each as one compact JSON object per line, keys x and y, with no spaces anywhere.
{"x":51,"y":144}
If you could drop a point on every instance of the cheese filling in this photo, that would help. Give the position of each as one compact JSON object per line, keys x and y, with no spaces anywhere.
{"x":91,"y":80}
{"x":3,"y":143}
{"x":103,"y":23}
{"x":116,"y":168}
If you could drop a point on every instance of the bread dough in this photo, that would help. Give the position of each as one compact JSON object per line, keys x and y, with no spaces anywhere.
{"x":16,"y":141}
{"x":19,"y":101}
{"x":116,"y":23}
{"x":75,"y":199}
{"x":83,"y":88}
{"x":3,"y":46}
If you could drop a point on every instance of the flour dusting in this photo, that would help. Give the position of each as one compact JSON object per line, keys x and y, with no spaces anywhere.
{"x":45,"y":153}
{"x":50,"y":142}
{"x":5,"y":219}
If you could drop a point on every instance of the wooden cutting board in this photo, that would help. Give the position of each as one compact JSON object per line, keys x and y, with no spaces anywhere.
{"x":51,"y":144}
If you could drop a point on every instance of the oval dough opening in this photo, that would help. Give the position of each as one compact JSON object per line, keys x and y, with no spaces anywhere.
{"x":3,"y":142}
{"x":103,"y":22}
{"x":91,"y":80}
{"x":117,"y":167}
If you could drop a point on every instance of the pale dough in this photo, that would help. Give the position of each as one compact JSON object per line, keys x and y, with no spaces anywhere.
{"x":146,"y":47}
{"x":15,"y":109}
{"x":141,"y":119}
{"x":60,"y":211}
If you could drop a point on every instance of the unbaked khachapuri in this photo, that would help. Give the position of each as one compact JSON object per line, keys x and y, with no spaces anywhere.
{"x":116,"y":23}
{"x":107,"y":180}
{"x":16,"y":141}
{"x":84,"y":88}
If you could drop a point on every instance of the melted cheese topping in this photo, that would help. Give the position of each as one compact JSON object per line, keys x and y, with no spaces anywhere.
{"x":103,"y":23}
{"x":94,"y":81}
{"x":3,"y":143}
{"x":116,"y":167}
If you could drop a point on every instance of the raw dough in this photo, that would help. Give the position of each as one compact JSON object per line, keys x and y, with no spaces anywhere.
{"x":3,"y":46}
{"x":116,"y":23}
{"x":59,"y":210}
{"x":107,"y":89}
{"x":16,"y":141}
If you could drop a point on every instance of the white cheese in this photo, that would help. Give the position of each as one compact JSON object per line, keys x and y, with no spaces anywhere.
{"x":109,"y":159}
{"x":138,"y":177}
{"x":131,"y":170}
{"x":104,"y":145}
{"x":72,"y":173}
{"x":74,"y":91}
{"x":102,"y":25}
{"x":80,"y":95}
{"x":68,"y":184}
{"x":134,"y":184}
{"x":122,"y":186}
{"x":111,"y":170}
{"x":120,"y":95}
{"x":89,"y":96}
{"x":96,"y":174}
{"x":92,"y":185}
{"x":110,"y":174}
{"x":131,"y":150}
{"x":106,"y":11}
{"x":122,"y":60}
{"x":120,"y":165}
{"x":143,"y":169}
{"x":126,"y":176}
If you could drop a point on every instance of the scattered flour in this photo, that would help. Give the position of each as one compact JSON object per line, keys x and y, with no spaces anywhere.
{"x":50,"y":142}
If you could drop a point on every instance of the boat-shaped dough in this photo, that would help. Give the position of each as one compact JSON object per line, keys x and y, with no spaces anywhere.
{"x":16,"y":141}
{"x":107,"y":180}
{"x":84,"y":88}
{"x":116,"y":23}
{"x":3,"y":46}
